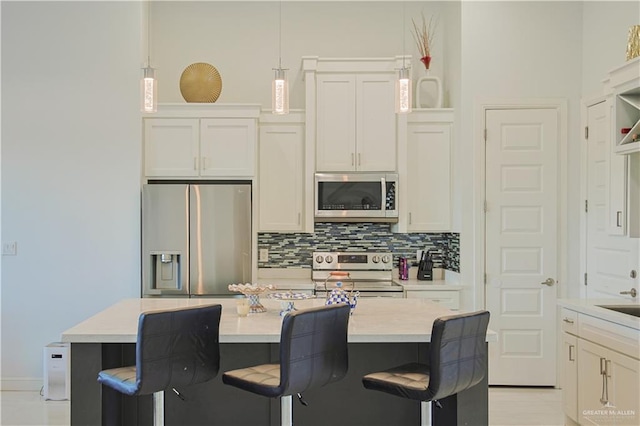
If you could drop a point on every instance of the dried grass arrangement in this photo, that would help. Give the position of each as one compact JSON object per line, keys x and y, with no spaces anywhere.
{"x":423,"y":35}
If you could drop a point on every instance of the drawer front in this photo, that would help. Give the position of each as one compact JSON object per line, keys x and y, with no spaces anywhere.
{"x":448,"y":299}
{"x":569,"y":321}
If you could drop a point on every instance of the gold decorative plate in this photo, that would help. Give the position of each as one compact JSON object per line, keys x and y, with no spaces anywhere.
{"x":200,"y":82}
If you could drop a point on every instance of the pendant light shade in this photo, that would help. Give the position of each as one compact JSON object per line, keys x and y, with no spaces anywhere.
{"x":403,"y":83}
{"x":148,"y":83}
{"x":280,"y":92}
{"x":149,"y":90}
{"x":403,"y":91}
{"x":280,"y":85}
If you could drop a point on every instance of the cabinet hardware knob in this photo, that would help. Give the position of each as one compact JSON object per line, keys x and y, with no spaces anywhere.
{"x":568,"y":320}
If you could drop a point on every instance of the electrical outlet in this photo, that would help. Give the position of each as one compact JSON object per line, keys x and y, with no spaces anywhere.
{"x":9,"y":248}
{"x":263,"y":255}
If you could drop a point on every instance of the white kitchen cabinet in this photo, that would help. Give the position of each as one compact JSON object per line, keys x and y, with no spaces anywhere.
{"x":171,"y":147}
{"x":569,"y":363}
{"x":608,"y":380}
{"x":281,"y":177}
{"x":447,"y":298}
{"x":356,"y":123}
{"x":350,"y":113}
{"x":601,"y":370}
{"x":200,"y":141}
{"x":427,"y":189}
{"x":191,"y":147}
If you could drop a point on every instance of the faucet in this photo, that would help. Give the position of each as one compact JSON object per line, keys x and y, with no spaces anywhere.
{"x":631,"y":292}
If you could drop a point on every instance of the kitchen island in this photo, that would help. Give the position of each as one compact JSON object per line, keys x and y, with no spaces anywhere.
{"x":383,"y":333}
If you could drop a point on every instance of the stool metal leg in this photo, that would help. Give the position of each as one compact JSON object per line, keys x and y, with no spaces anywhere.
{"x":158,"y":408}
{"x":425,"y":413}
{"x":286,"y":412}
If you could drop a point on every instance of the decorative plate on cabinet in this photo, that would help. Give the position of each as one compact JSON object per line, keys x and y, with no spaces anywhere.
{"x":200,"y":82}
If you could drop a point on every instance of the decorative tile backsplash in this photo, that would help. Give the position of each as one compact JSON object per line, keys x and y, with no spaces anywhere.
{"x":295,"y":250}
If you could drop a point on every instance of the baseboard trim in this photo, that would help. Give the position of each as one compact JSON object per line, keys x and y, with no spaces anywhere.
{"x":21,"y":384}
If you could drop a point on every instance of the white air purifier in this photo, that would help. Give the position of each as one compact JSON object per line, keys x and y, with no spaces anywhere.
{"x":57,"y":372}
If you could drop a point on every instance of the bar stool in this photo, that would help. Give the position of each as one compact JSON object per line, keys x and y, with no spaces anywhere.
{"x":313,"y":353}
{"x":457,"y":361}
{"x":174,"y":348}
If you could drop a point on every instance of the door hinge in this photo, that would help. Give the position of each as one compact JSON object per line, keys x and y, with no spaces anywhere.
{"x":586,"y":206}
{"x":585,"y":278}
{"x":485,"y":135}
{"x":586,"y":132}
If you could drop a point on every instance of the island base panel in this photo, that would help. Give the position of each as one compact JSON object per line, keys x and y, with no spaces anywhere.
{"x":345,"y":402}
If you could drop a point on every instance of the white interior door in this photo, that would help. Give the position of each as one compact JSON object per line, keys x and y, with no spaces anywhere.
{"x":521,"y":241}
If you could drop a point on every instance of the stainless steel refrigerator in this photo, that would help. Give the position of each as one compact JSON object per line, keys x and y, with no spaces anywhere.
{"x":196,"y":238}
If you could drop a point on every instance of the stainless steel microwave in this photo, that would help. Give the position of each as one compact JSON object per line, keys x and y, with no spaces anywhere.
{"x":356,"y":197}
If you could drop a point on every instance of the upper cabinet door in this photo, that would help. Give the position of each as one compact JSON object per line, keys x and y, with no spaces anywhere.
{"x":171,"y":147}
{"x":227,"y":147}
{"x":375,"y":123}
{"x":336,"y":123}
{"x":428,"y":189}
{"x":281,"y":177}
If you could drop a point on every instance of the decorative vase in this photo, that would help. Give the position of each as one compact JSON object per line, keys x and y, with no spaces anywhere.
{"x":428,"y":92}
{"x":426,"y":60}
{"x":633,"y":42}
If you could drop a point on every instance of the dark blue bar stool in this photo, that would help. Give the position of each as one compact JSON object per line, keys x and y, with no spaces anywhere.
{"x":457,"y":361}
{"x":313,"y":353}
{"x":174,"y":348}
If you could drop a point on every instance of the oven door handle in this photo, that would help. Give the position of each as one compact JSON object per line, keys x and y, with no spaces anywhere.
{"x":383,"y":196}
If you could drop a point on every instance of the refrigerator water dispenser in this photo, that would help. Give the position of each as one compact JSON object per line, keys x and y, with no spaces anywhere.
{"x":165,"y":271}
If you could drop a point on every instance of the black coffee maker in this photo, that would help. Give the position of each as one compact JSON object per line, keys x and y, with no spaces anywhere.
{"x":425,"y":267}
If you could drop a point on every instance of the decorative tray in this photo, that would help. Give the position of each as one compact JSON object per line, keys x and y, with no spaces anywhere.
{"x":290,"y":296}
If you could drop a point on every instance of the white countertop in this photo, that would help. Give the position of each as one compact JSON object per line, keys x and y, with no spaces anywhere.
{"x":374,"y":320}
{"x":590,"y":307}
{"x":414,"y":284}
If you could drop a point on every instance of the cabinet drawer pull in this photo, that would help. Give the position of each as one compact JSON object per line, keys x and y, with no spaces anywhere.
{"x":571,"y":356}
{"x":352,"y":159}
{"x":299,"y":218}
{"x":195,"y":163}
{"x":359,"y":159}
{"x":619,"y":219}
{"x":568,"y":320}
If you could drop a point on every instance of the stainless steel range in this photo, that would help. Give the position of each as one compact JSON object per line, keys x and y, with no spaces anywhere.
{"x":370,"y":273}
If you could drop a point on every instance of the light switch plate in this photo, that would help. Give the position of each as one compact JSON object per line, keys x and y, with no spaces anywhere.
{"x":9,"y":248}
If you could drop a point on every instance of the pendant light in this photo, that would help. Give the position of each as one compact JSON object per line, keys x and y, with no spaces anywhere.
{"x":280,"y":85}
{"x":149,"y":84}
{"x":403,"y":83}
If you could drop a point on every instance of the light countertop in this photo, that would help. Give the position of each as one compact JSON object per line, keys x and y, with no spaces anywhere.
{"x":591,"y":307}
{"x":374,"y":320}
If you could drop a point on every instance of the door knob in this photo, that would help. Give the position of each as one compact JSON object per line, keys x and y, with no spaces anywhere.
{"x":632,"y":292}
{"x":549,"y":282}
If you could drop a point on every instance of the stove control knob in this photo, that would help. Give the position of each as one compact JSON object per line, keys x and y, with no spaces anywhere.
{"x":385,"y":259}
{"x":329,"y":259}
{"x":375,"y":259}
{"x":319,"y":259}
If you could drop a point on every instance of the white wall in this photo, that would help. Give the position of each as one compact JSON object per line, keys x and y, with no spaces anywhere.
{"x":241,"y":40}
{"x":70,"y":171}
{"x":513,"y":50}
{"x":604,"y":34}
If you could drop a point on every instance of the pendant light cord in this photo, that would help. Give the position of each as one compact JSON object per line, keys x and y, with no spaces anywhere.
{"x":404,"y":4}
{"x":280,"y":35}
{"x":148,"y":33}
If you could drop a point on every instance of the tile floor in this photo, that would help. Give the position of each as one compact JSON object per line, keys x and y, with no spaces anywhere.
{"x":507,"y":407}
